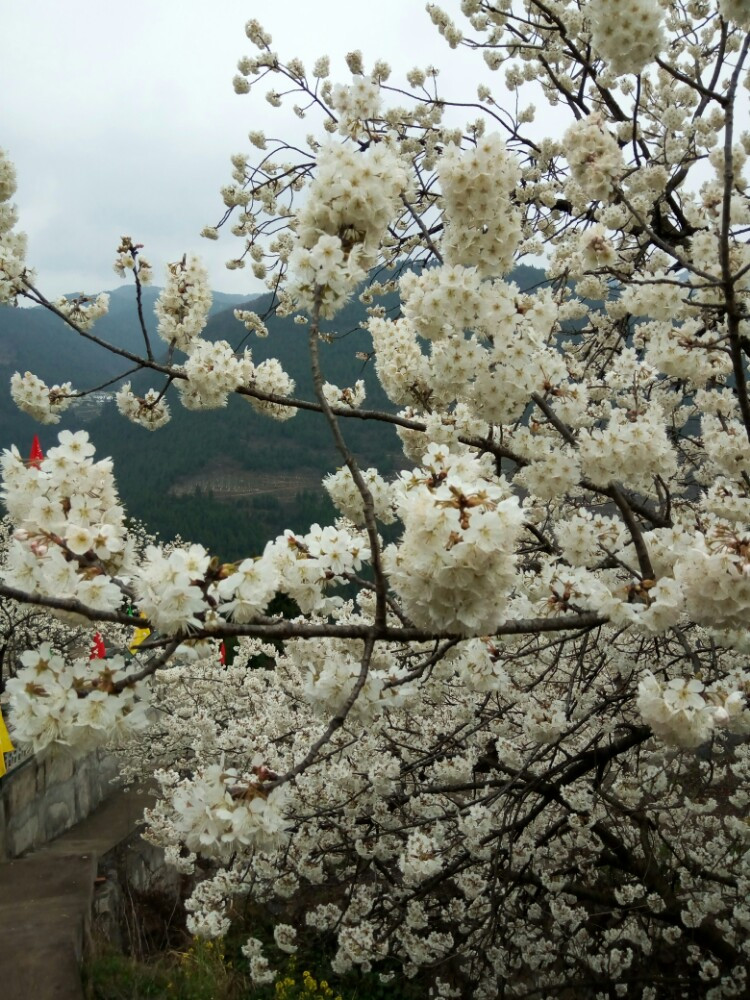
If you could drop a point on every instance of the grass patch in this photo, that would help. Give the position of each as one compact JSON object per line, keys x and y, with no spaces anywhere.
{"x":214,"y":970}
{"x":165,"y":963}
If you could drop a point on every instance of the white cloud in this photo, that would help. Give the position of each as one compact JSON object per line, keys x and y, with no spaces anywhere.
{"x":122,"y":119}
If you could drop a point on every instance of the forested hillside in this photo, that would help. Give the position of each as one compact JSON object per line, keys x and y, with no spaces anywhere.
{"x":230,"y":484}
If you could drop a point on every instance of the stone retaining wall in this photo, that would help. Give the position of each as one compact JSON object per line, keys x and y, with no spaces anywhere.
{"x":47,"y":794}
{"x":136,"y":898}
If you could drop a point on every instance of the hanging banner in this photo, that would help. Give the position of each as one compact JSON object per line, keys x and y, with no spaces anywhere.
{"x":5,"y":744}
{"x":98,"y":649}
{"x":36,"y":454}
{"x":140,"y":635}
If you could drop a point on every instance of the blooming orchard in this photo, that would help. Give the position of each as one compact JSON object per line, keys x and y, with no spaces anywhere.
{"x":505,"y":752}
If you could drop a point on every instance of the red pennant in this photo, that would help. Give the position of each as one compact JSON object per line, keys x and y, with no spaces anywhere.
{"x":98,"y":650}
{"x":36,"y":454}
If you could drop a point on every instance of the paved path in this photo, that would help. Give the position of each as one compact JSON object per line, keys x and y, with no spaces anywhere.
{"x":45,"y":903}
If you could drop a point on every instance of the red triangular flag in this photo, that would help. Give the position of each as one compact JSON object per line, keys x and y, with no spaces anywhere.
{"x":36,"y":455}
{"x":98,"y":651}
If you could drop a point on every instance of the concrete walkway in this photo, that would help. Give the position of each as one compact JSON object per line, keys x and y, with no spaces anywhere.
{"x":46,"y":899}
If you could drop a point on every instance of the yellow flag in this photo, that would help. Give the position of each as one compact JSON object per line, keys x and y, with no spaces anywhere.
{"x":139,"y":636}
{"x":5,"y":744}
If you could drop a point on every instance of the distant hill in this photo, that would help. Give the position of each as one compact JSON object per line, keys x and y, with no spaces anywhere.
{"x":229,"y":478}
{"x":36,"y":340}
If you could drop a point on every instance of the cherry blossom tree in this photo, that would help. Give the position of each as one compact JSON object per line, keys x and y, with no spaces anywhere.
{"x":515,"y":763}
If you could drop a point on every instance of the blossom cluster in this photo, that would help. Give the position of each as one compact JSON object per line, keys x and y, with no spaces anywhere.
{"x":168,"y":589}
{"x":455,"y":563}
{"x":150,"y":411}
{"x":79,"y":703}
{"x":12,"y":245}
{"x":682,"y":714}
{"x":482,"y":225}
{"x":42,"y":402}
{"x":252,"y":322}
{"x":270,"y":379}
{"x":129,"y":260}
{"x":354,"y":396}
{"x":183,"y":305}
{"x":213,"y":371}
{"x":82,"y":310}
{"x":626,"y":33}
{"x":493,"y":371}
{"x":634,"y":447}
{"x":327,"y":672}
{"x":715,"y":573}
{"x":351,"y":201}
{"x":71,"y":538}
{"x":596,"y":163}
{"x":213,"y":818}
{"x":307,"y":563}
{"x":356,"y":103}
{"x":342,"y":489}
{"x":736,"y":11}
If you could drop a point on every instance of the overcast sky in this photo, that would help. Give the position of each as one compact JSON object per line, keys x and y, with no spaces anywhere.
{"x":121,"y":118}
